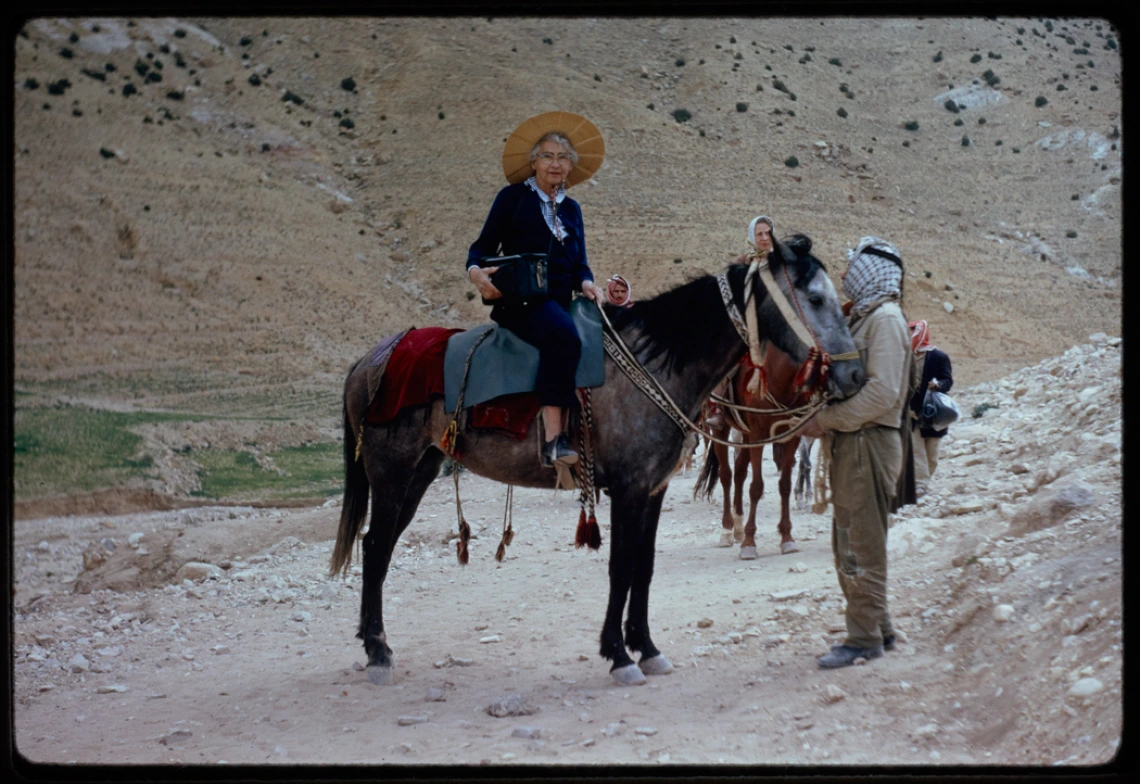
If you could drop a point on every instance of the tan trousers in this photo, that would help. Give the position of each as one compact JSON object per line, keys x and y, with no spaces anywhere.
{"x":865,"y":467}
{"x":925,"y":458}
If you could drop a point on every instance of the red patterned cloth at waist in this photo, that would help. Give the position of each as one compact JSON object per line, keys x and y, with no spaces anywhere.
{"x":414,"y":375}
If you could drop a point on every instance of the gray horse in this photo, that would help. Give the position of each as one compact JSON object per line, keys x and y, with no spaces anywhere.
{"x":687,"y":341}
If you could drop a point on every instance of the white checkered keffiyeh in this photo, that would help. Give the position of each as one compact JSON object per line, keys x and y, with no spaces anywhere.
{"x":871,"y":279}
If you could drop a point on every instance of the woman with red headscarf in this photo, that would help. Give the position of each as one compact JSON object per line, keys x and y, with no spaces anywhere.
{"x":935,"y":367}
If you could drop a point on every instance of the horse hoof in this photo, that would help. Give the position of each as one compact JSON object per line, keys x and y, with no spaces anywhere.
{"x":726,"y":539}
{"x":748,"y":553}
{"x":738,"y":536}
{"x":381,"y":676}
{"x":629,"y":675}
{"x":789,"y":547}
{"x":657,"y":665}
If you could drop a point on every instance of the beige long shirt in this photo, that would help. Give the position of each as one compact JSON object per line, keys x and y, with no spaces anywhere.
{"x":883,"y":340}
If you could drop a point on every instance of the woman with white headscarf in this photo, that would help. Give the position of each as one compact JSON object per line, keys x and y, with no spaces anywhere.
{"x":760,"y":243}
{"x":865,"y":437}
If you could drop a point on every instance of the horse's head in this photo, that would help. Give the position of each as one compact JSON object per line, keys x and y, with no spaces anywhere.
{"x":813,"y":302}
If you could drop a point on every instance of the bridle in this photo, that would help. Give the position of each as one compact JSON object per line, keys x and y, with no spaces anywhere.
{"x":814,"y":370}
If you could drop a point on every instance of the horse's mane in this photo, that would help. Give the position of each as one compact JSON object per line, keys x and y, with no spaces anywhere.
{"x":677,"y":323}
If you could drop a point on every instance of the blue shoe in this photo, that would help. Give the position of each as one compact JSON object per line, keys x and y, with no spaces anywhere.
{"x":559,"y":451}
{"x":845,"y":656}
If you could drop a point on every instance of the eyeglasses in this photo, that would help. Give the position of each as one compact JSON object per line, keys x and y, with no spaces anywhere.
{"x":550,"y":157}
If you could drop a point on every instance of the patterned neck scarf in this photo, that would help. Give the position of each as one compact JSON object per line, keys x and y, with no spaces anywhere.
{"x":920,"y":337}
{"x":874,"y":274}
{"x":550,"y":208}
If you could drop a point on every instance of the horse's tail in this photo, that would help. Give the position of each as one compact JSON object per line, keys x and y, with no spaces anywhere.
{"x":355,"y":504}
{"x":709,"y":476}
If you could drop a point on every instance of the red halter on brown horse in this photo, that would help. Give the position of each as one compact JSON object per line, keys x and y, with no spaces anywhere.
{"x":780,"y":383}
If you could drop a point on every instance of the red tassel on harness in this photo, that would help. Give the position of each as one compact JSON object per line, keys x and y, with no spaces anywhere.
{"x":580,"y":536}
{"x":589,"y":534}
{"x":593,"y":533}
{"x":813,"y":372}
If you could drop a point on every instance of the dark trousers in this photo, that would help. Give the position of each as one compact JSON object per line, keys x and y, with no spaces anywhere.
{"x":548,"y":327}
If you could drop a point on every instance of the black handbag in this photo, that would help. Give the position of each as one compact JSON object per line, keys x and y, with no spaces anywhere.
{"x":520,"y":278}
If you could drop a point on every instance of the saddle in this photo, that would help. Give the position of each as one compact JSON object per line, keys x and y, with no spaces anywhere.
{"x":505,"y":364}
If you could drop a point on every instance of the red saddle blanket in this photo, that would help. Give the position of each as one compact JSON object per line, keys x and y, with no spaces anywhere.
{"x":414,"y":377}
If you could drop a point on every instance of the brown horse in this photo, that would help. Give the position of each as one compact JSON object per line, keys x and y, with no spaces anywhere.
{"x":779,"y":371}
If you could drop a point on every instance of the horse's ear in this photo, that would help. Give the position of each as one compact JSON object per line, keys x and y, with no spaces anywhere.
{"x":799,"y":244}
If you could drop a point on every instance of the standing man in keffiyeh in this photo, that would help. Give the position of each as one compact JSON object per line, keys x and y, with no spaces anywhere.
{"x":864,"y":435}
{"x":934,"y":364}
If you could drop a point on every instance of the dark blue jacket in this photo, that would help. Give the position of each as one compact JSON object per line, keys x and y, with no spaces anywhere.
{"x":937,"y":365}
{"x":515,"y":225}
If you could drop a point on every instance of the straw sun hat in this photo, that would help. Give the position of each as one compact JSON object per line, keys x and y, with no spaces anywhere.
{"x":582,"y":133}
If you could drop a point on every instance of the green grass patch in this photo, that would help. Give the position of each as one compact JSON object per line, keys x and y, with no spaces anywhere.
{"x":66,"y":450}
{"x":306,"y":471}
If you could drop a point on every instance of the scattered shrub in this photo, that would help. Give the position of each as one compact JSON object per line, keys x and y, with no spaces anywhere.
{"x":938,"y":57}
{"x":31,"y":84}
{"x":649,"y":106}
{"x":842,"y":112}
{"x":1071,"y":234}
{"x":834,"y":61}
{"x":977,"y":58}
{"x":982,"y":408}
{"x":791,"y":162}
{"x":255,"y":80}
{"x":951,"y":106}
{"x":682,"y":115}
{"x":245,"y":41}
{"x":347,"y":123}
{"x":66,"y":53}
{"x":99,"y":75}
{"x":175,"y":95}
{"x":911,"y":125}
{"x":106,"y":153}
{"x":741,"y":106}
{"x":548,"y":41}
{"x":965,"y":141}
{"x":129,"y":89}
{"x":348,"y":83}
{"x":680,"y":61}
{"x":291,"y":96}
{"x":1041,"y":101}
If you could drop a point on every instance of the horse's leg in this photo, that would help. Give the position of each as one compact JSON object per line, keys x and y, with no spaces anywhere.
{"x":637,"y":638}
{"x":785,"y":456}
{"x":755,"y":492}
{"x":396,"y":494}
{"x":627,"y":512}
{"x":724,"y":473}
{"x":803,"y":473}
{"x":739,"y":474}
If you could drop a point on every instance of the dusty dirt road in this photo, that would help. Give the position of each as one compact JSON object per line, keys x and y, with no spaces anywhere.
{"x":1009,"y":601}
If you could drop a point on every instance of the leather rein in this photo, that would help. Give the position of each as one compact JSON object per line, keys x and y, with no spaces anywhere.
{"x":818,"y":362}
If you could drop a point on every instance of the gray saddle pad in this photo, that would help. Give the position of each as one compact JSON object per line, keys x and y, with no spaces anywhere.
{"x":505,"y":364}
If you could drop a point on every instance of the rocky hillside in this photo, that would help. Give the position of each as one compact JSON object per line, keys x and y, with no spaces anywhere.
{"x":210,"y":209}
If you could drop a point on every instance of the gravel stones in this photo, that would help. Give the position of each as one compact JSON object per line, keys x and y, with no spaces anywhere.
{"x":511,"y":705}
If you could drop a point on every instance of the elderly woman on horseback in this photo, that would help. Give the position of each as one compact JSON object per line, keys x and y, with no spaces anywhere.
{"x":544,"y":157}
